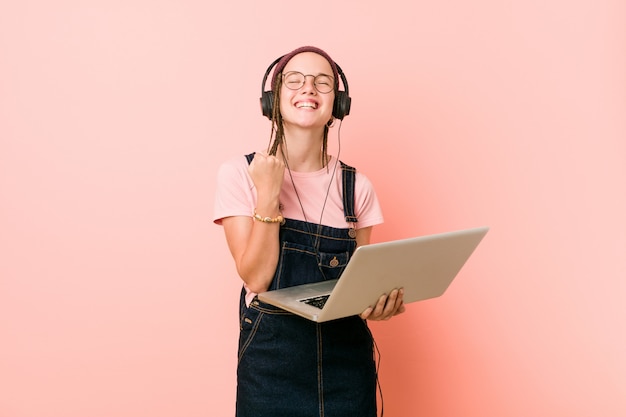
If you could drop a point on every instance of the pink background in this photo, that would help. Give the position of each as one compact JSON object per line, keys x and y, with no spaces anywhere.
{"x":117,"y":294}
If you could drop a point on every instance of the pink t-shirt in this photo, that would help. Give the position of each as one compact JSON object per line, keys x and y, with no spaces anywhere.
{"x":319,"y":192}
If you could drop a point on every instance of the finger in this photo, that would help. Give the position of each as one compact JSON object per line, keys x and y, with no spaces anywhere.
{"x":390,"y":305}
{"x":399,"y":299}
{"x":366,"y":313}
{"x":400,"y":310}
{"x":380,"y":306}
{"x":398,"y":305}
{"x":276,"y":161}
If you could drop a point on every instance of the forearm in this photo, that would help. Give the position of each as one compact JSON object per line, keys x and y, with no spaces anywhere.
{"x":258,"y":262}
{"x":255,"y":248}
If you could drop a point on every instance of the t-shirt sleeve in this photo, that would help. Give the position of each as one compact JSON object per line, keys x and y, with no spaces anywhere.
{"x":367,"y":208}
{"x":234,"y":193}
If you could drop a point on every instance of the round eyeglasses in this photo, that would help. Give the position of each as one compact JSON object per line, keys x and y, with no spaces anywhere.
{"x":323,"y":83}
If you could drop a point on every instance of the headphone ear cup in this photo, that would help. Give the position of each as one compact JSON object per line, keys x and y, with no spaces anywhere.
{"x":267,"y":103}
{"x":341,"y":107}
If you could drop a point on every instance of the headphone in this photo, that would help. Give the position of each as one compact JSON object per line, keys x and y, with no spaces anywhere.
{"x":341,"y":105}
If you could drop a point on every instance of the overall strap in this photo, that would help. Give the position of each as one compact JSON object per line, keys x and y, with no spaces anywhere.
{"x":348,"y":180}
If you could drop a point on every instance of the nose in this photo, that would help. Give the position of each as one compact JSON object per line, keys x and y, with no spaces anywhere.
{"x":309,"y":84}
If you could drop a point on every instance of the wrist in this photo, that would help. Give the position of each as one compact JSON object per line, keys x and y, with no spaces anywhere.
{"x":266,"y":219}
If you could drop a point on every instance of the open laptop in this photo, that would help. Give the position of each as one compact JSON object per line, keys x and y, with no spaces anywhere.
{"x":424,"y":266}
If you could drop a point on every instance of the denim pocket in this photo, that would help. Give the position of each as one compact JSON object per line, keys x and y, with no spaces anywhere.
{"x":248,"y":325}
{"x":332,"y":264}
{"x":300,"y":264}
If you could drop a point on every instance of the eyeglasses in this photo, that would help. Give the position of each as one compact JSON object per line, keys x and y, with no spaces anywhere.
{"x":323,"y":83}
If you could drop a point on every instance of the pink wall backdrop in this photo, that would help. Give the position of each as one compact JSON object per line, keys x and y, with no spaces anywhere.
{"x":117,"y":294}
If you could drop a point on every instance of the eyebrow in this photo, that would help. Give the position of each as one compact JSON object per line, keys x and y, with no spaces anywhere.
{"x":319,"y":73}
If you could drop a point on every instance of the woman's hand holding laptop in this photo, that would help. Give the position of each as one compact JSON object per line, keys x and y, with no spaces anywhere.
{"x":386,"y":307}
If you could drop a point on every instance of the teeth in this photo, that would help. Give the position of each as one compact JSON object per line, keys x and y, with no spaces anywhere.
{"x":310,"y":105}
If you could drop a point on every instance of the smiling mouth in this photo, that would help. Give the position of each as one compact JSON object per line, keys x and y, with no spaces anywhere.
{"x":307,"y":105}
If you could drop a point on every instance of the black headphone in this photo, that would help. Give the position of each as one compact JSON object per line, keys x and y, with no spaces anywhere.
{"x":341,"y":106}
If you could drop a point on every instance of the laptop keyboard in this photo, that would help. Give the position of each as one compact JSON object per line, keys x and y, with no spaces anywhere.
{"x":318,"y":301}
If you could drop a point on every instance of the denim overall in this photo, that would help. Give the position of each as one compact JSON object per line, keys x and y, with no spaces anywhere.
{"x":290,"y":366}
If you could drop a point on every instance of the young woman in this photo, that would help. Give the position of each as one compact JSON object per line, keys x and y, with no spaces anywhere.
{"x":293,"y":214}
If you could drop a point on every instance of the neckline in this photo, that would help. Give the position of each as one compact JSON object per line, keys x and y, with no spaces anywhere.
{"x":327,"y":170}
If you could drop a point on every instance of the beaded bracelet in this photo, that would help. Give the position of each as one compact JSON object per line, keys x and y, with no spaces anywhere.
{"x":279,"y":219}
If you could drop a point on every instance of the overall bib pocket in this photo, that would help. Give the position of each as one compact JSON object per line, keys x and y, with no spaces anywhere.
{"x":309,"y":264}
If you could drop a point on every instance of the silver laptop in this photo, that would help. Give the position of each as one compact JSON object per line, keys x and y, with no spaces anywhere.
{"x":424,"y":266}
